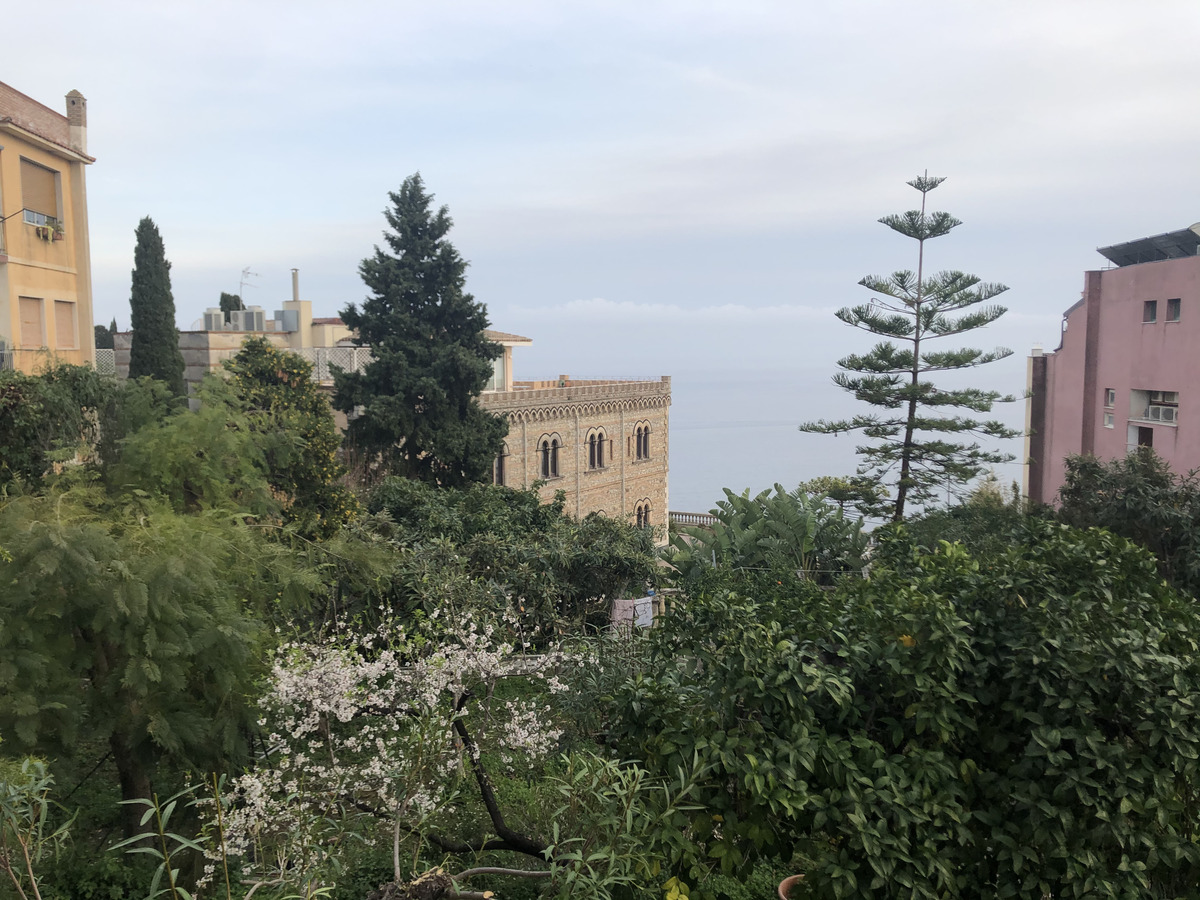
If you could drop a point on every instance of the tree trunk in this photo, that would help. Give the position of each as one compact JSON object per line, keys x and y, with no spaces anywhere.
{"x":135,"y":783}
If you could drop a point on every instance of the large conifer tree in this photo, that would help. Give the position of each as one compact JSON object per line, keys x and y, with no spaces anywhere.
{"x":417,"y":401}
{"x":154,"y":348}
{"x":921,"y":442}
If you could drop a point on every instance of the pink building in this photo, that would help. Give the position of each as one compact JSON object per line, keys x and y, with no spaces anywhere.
{"x":1127,"y":370}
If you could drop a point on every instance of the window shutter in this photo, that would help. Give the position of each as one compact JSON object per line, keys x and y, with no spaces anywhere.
{"x":64,"y":325}
{"x":39,"y":189}
{"x":31,"y":323}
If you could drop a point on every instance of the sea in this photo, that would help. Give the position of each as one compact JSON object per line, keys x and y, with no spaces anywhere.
{"x":738,"y":429}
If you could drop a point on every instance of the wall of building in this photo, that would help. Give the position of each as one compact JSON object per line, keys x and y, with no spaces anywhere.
{"x":571,"y":413}
{"x":203,"y":351}
{"x":1106,"y":345}
{"x":41,"y":270}
{"x":328,"y":333}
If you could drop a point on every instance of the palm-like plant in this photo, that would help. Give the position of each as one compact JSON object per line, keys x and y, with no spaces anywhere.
{"x":780,"y":530}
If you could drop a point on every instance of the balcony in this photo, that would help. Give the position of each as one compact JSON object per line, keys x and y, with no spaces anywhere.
{"x":1158,"y":415}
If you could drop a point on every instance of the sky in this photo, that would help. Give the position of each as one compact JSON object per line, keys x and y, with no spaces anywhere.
{"x":680,"y":188}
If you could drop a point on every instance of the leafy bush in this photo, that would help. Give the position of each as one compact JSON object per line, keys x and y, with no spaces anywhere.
{"x":559,"y":573}
{"x":1140,"y":498}
{"x":986,"y":521}
{"x":137,"y":627}
{"x":293,"y":424}
{"x":27,"y":840}
{"x":1024,"y":725}
{"x":47,"y":417}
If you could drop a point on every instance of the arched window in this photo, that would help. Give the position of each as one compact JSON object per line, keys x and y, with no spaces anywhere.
{"x":595,"y":444}
{"x":548,"y":451}
{"x":642,"y":440}
{"x":642,"y":516}
{"x":498,"y":466}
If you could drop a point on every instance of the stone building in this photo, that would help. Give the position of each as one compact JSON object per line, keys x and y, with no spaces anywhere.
{"x":322,"y":341}
{"x":45,"y":257}
{"x":1126,"y":371}
{"x":605,"y":444}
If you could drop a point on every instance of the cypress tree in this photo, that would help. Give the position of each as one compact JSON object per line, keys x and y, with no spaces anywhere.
{"x":418,"y":413}
{"x":229,"y":303}
{"x":154,"y":350}
{"x":914,"y":434}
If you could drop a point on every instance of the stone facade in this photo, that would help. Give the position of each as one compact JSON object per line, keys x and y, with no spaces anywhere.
{"x":622,"y":474}
{"x":203,"y":351}
{"x":605,"y":444}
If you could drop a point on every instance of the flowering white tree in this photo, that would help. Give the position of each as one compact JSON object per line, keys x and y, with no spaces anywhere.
{"x":386,"y":740}
{"x":378,"y":738}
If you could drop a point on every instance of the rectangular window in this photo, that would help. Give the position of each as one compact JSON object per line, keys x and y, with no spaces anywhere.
{"x":1173,"y":310}
{"x":1150,"y":311}
{"x":1108,"y":420}
{"x":66,"y":335}
{"x":33,"y":331}
{"x":497,"y":381}
{"x":1110,"y":397}
{"x":39,"y":193}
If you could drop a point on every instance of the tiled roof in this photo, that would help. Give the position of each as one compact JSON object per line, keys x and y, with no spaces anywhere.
{"x":329,"y":320}
{"x":503,"y":337}
{"x":29,"y":115}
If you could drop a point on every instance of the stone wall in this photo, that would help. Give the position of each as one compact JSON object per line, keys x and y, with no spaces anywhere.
{"x":203,"y":351}
{"x":570,"y":414}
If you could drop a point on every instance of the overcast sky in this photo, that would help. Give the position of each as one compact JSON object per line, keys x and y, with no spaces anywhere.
{"x":685,"y":188}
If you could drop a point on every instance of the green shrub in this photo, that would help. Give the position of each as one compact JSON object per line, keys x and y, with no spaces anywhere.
{"x":1018,"y":726}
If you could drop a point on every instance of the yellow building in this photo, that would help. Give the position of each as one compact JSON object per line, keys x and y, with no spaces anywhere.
{"x":45,"y":258}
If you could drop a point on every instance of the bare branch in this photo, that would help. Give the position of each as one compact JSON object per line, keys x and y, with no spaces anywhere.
{"x":496,"y":870}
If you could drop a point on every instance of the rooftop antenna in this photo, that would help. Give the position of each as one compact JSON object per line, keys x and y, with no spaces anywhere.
{"x":242,"y":285}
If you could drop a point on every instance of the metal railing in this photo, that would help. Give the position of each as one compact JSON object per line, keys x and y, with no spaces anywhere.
{"x":349,"y":359}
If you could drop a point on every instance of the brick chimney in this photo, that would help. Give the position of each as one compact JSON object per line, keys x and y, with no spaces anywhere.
{"x":77,"y":120}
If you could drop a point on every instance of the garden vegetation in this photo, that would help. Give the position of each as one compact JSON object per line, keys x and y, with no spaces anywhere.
{"x":229,"y":671}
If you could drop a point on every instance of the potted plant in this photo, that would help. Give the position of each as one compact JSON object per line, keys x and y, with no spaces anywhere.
{"x":58,"y":232}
